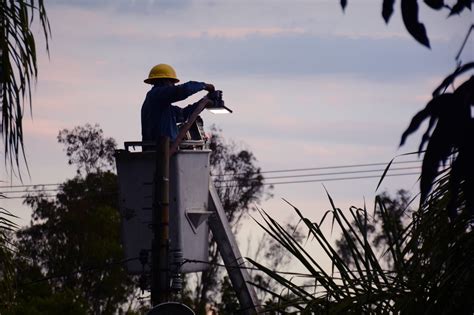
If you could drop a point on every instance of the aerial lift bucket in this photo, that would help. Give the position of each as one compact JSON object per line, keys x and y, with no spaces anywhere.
{"x":189,"y":190}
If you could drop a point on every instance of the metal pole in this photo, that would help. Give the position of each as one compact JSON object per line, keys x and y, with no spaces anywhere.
{"x":231,"y":256}
{"x":160,"y":281}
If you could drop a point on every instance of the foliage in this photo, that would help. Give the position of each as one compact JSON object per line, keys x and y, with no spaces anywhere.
{"x":450,"y":139}
{"x":18,"y":67}
{"x":70,"y":258}
{"x":378,"y":227}
{"x":431,"y":259}
{"x":277,"y":258}
{"x":75,"y":242}
{"x":409,"y":10}
{"x":449,"y":112}
{"x":432,"y":272}
{"x":6,"y":271}
{"x":229,"y":303}
{"x":87,"y":148}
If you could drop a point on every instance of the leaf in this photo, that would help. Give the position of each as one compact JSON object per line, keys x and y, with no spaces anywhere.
{"x":437,"y":151}
{"x":465,"y":94}
{"x":426,"y":136}
{"x":460,"y":6}
{"x":435,"y":4}
{"x":410,"y":19}
{"x":343,"y":4}
{"x":384,"y":173}
{"x":455,"y":179}
{"x":450,"y":78}
{"x":429,"y":110}
{"x":387,"y":9}
{"x":18,"y":71}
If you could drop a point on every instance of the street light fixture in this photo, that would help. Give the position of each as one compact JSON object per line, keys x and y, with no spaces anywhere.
{"x":217,"y":106}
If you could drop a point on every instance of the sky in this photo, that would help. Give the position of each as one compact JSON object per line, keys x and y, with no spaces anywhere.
{"x":310,"y":85}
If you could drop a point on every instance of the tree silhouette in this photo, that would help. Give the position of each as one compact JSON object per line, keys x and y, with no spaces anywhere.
{"x":70,"y":259}
{"x":18,"y":70}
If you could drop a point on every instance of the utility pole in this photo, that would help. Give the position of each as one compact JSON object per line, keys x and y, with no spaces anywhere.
{"x":160,"y":280}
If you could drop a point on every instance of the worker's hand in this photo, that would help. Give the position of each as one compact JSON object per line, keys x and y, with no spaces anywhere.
{"x":209,"y":87}
{"x":209,"y":101}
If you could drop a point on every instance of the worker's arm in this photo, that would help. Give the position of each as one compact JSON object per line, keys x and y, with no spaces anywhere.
{"x":176,"y":93}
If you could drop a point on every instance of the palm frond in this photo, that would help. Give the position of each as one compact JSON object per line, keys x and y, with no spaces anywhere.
{"x":18,"y":70}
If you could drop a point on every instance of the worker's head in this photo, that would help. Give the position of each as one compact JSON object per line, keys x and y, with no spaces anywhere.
{"x":162,"y":74}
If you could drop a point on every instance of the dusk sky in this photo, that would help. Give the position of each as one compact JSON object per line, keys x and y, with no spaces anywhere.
{"x":310,"y":86}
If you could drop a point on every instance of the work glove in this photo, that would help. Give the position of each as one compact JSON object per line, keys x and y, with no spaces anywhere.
{"x":209,"y":87}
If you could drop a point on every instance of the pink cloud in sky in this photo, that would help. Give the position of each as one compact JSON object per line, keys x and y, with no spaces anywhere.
{"x":242,"y":32}
{"x":229,"y":33}
{"x":96,"y":20}
{"x":42,"y":128}
{"x":65,"y":69}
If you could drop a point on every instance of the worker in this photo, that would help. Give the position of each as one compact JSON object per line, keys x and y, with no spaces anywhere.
{"x":159,"y":117}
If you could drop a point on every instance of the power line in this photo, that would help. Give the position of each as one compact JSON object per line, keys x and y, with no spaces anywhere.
{"x":322,"y":180}
{"x":245,"y":267}
{"x":28,"y":191}
{"x":223,"y":180}
{"x":248,"y":174}
{"x":318,"y":168}
{"x":271,"y":183}
{"x":324,"y":174}
{"x":289,"y":273}
{"x":38,"y":190}
{"x":23,"y":197}
{"x":32,"y":185}
{"x":236,"y":186}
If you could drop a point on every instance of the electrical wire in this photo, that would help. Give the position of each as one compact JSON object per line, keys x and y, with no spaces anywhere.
{"x":23,"y":197}
{"x":31,"y":185}
{"x":320,"y":180}
{"x":248,"y":174}
{"x":5,"y":193}
{"x":289,"y":273}
{"x":322,"y":174}
{"x":28,"y":191}
{"x":39,"y":189}
{"x":317,"y":168}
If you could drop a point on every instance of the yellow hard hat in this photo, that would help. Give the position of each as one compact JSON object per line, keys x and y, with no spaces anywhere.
{"x":161,"y":71}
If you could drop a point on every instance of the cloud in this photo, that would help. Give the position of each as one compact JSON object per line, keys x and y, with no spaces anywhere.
{"x":304,"y":54}
{"x":234,"y":33}
{"x":125,"y":6}
{"x":42,"y":128}
{"x":220,"y":40}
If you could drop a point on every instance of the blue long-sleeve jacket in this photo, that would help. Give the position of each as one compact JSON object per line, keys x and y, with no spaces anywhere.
{"x":159,"y":116}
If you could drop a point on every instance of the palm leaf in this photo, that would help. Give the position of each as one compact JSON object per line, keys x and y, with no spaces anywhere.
{"x":18,"y":70}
